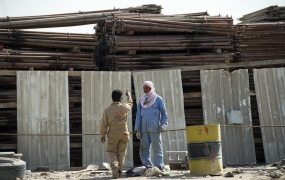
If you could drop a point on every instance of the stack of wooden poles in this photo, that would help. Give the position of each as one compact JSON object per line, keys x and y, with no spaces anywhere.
{"x":8,"y":112}
{"x":268,"y":14}
{"x":47,"y":50}
{"x":71,"y":19}
{"x":150,"y":41}
{"x":260,"y":41}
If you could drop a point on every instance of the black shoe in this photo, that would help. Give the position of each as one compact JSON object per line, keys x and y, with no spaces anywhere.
{"x":120,"y":172}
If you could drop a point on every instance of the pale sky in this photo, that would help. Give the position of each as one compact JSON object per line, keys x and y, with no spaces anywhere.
{"x":234,"y":8}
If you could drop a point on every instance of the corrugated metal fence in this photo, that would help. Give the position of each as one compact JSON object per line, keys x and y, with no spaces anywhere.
{"x":270,"y":93}
{"x":223,"y":92}
{"x":43,"y":108}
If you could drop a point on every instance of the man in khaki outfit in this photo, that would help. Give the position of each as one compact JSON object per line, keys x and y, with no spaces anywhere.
{"x":116,"y":118}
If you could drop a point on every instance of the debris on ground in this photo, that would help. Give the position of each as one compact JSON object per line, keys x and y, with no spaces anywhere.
{"x":136,"y":171}
{"x":280,"y":163}
{"x":261,"y":172}
{"x":44,"y":174}
{"x":67,"y":176}
{"x":275,"y":175}
{"x":91,"y":167}
{"x":42,"y":168}
{"x":154,"y":171}
{"x":107,"y":165}
{"x":264,"y":172}
{"x":229,"y":174}
{"x":237,"y":171}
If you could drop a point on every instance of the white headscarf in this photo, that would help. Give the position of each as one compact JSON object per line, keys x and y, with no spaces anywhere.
{"x":151,"y":96}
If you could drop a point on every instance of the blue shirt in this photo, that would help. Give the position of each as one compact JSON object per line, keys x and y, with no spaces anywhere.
{"x":151,"y":118}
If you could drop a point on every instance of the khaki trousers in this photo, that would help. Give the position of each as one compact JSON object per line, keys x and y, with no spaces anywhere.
{"x":117,"y":149}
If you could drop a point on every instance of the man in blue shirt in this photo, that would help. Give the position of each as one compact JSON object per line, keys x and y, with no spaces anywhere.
{"x":151,"y":118}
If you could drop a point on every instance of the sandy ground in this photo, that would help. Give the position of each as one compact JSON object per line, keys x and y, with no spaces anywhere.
{"x":248,"y":173}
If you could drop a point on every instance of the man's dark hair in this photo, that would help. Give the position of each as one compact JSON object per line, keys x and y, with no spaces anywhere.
{"x":116,"y":95}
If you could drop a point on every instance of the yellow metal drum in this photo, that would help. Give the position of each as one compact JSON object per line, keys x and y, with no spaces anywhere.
{"x":203,"y":133}
{"x":204,"y":149}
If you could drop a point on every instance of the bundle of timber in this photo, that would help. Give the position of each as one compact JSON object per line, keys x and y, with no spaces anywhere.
{"x":259,"y":149}
{"x":269,"y":14}
{"x":71,"y":19}
{"x":121,"y":43}
{"x":50,"y":40}
{"x":153,"y":23}
{"x":47,"y":50}
{"x":260,"y":41}
{"x":157,"y":61}
{"x":46,"y":60}
{"x":192,"y":98}
{"x":8,"y":112}
{"x":150,"y":41}
{"x":75,"y":120}
{"x":56,"y":20}
{"x":8,"y":92}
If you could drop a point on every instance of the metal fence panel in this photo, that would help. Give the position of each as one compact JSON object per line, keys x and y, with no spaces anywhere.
{"x":168,"y":85}
{"x":43,"y":108}
{"x":223,"y":92}
{"x":97,"y":88}
{"x":270,"y":94}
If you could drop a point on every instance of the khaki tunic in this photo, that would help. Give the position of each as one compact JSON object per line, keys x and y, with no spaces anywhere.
{"x":114,"y":125}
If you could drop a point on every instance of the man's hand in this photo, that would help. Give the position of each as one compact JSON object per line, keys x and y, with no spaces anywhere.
{"x":103,"y":139}
{"x":163,"y":128}
{"x":128,"y":94}
{"x":138,"y":134}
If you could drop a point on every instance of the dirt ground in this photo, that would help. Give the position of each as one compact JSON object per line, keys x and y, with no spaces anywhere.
{"x":260,"y":172}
